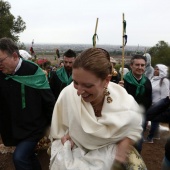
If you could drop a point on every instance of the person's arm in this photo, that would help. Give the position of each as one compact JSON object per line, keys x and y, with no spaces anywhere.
{"x":146,"y":100}
{"x":164,"y":88}
{"x":159,"y":111}
{"x":163,"y":117}
{"x":123,"y":148}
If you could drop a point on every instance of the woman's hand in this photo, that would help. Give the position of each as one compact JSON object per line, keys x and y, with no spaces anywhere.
{"x":65,"y":138}
{"x":121,"y":83}
{"x":123,"y":149}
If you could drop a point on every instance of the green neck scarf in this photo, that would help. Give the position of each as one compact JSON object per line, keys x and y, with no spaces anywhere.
{"x":62,"y":75}
{"x":140,"y":86}
{"x":37,"y":81}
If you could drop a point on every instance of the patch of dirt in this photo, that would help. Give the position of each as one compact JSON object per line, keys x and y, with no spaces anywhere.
{"x":151,"y":153}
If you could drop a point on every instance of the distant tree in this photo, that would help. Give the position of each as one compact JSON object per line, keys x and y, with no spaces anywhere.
{"x":10,"y":26}
{"x":21,"y":45}
{"x":160,"y":53}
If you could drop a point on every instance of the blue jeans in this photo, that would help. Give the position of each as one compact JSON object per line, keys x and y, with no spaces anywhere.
{"x":24,"y":156}
{"x":154,"y":129}
{"x":139,"y":143}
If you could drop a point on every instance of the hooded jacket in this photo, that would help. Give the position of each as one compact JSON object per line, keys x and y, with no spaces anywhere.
{"x":160,"y":84}
{"x":149,"y":70}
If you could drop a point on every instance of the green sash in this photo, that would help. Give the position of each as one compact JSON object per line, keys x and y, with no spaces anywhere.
{"x":62,"y":75}
{"x":37,"y":81}
{"x":140,"y":86}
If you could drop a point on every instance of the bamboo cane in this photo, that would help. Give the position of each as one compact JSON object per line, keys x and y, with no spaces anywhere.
{"x":95,"y":34}
{"x":123,"y":51}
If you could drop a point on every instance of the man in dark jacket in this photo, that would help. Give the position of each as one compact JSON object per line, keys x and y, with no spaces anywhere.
{"x":26,"y":105}
{"x":139,"y":86}
{"x":63,"y":76}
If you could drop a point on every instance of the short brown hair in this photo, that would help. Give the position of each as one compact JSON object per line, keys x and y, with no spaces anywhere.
{"x":8,"y":45}
{"x":137,"y":56}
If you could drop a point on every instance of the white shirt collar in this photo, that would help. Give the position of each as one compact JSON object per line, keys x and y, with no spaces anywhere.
{"x":18,"y":65}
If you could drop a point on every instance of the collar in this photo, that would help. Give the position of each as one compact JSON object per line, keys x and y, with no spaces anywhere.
{"x":18,"y":65}
{"x":138,"y":79}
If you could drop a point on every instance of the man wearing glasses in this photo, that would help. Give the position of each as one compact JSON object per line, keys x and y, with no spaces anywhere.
{"x":26,"y":105}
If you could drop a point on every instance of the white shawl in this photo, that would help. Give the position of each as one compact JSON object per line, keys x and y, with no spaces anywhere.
{"x":121,"y":118}
{"x":95,"y":138}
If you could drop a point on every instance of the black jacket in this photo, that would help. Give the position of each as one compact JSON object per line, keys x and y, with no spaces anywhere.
{"x":56,"y":85}
{"x":160,"y":111}
{"x":145,"y":99}
{"x":17,"y":124}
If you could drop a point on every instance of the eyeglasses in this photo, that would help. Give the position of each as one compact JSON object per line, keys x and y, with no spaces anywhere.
{"x":3,"y":59}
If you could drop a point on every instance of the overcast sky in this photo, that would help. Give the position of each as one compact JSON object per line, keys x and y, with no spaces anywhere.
{"x":73,"y":21}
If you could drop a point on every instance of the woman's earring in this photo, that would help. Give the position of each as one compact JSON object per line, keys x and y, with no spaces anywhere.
{"x":107,"y":93}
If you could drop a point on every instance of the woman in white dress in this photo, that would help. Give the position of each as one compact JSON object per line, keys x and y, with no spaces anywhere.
{"x":95,"y":122}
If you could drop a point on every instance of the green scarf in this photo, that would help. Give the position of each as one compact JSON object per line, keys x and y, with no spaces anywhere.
{"x":62,"y":75}
{"x":140,"y":86}
{"x":37,"y":81}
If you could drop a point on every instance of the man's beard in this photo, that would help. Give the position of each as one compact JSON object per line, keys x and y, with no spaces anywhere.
{"x":68,"y":69}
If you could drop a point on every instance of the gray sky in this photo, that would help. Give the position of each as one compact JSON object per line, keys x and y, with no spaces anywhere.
{"x":73,"y":21}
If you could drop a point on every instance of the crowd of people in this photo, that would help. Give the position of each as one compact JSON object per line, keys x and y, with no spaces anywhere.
{"x":96,"y":119}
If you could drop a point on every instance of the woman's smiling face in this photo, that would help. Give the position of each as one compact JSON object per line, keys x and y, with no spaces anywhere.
{"x":90,"y":87}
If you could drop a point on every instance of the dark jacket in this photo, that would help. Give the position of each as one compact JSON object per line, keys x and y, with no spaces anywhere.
{"x":16,"y":123}
{"x":160,"y":111}
{"x":145,"y":99}
{"x":115,"y":78}
{"x":167,"y":149}
{"x":56,"y":85}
